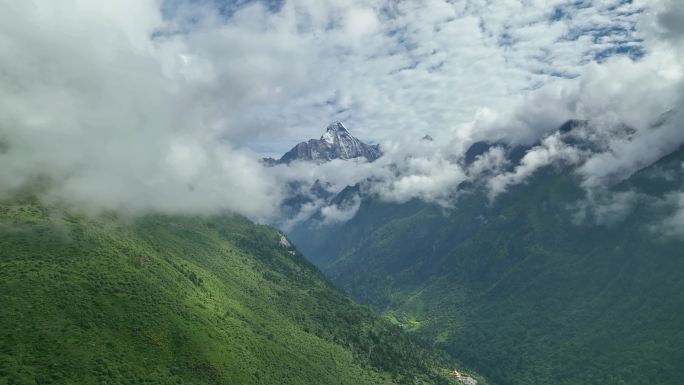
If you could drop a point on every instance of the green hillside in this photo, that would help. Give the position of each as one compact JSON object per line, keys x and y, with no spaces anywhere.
{"x":524,"y":290}
{"x":182,"y":300}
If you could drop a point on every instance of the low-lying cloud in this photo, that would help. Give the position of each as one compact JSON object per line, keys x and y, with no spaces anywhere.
{"x":109,"y":116}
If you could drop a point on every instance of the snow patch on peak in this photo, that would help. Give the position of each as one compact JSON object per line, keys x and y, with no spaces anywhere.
{"x":328,"y":137}
{"x":333,"y":131}
{"x":336,"y":126}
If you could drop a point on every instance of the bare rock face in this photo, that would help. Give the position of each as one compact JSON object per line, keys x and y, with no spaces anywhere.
{"x":336,"y":143}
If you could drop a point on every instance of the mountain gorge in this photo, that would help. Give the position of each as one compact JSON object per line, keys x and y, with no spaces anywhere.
{"x":547,"y":283}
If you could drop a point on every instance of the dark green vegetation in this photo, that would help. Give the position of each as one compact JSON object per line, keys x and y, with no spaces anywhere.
{"x":163,"y":300}
{"x":526,"y":290}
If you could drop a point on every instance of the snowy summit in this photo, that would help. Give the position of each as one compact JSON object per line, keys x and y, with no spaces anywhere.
{"x":335,"y":143}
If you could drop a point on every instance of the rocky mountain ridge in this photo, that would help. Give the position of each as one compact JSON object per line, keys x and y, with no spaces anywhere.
{"x":335,"y":143}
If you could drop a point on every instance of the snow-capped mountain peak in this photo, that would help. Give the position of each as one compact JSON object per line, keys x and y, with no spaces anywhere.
{"x":335,"y":143}
{"x":333,"y":131}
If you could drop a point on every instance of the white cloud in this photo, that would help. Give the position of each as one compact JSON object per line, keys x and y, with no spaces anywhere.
{"x":111,"y":116}
{"x":673,"y":226}
{"x":607,"y":207}
{"x":360,"y":22}
{"x":491,"y":162}
{"x":411,"y":67}
{"x":335,"y":213}
{"x":552,"y":150}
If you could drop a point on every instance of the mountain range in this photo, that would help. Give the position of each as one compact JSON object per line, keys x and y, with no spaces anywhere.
{"x":548,"y":283}
{"x":540,"y":286}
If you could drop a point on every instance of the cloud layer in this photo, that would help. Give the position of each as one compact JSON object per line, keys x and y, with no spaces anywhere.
{"x":166,"y":106}
{"x":113,"y":118}
{"x":616,"y":66}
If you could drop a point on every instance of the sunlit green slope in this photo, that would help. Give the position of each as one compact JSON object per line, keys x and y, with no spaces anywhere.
{"x":181,"y":300}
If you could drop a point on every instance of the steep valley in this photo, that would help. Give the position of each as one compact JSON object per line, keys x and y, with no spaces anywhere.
{"x":538,"y":287}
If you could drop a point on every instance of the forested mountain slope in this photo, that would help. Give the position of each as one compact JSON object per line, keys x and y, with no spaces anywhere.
{"x":177,"y":299}
{"x":538,"y":287}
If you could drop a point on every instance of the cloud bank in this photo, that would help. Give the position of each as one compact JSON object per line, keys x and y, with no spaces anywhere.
{"x":112,"y":117}
{"x":616,"y":66}
{"x":166,"y":106}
